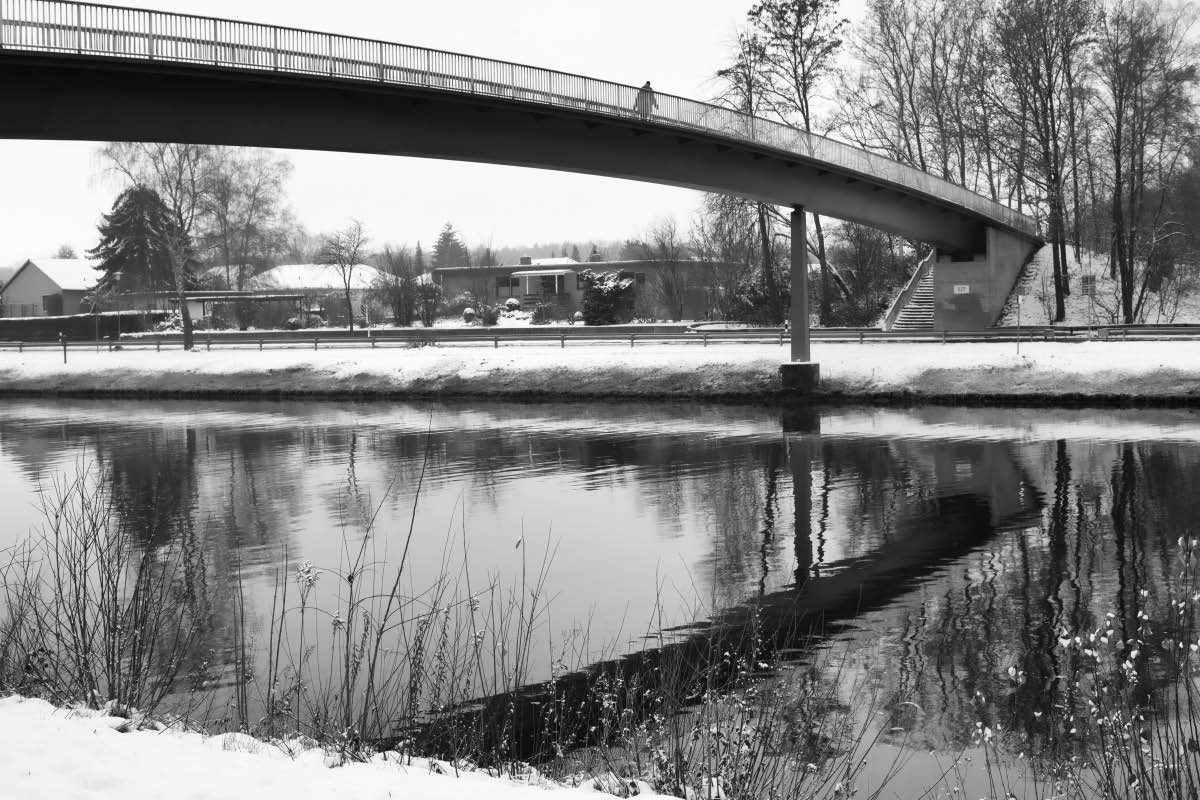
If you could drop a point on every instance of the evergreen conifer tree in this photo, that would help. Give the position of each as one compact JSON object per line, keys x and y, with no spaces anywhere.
{"x":449,"y":251}
{"x":134,"y":250}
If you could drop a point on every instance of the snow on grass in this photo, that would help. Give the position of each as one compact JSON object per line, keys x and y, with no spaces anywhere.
{"x":1177,"y":301}
{"x":751,"y":370}
{"x":48,"y":752}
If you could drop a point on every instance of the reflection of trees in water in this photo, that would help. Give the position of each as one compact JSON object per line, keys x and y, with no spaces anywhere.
{"x":983,"y":643}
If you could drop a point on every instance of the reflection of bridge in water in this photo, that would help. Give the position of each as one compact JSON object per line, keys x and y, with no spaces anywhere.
{"x":79,"y":71}
{"x":972,"y":490}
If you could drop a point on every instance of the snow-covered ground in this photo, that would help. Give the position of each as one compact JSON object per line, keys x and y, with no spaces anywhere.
{"x":59,"y":754}
{"x":1045,"y":369}
{"x":1177,"y":301}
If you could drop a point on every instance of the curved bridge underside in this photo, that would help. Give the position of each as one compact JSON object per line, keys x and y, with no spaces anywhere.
{"x":78,"y":71}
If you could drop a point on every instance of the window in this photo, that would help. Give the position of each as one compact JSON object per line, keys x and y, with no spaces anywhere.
{"x":1088,"y":282}
{"x":503,"y":282}
{"x":580,"y":283}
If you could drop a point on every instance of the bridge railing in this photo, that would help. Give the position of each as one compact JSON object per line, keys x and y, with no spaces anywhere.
{"x":92,"y":29}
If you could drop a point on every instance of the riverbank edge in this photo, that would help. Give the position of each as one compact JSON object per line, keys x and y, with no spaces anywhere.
{"x":484,"y":390}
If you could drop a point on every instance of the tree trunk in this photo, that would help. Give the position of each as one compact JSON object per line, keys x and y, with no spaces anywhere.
{"x":826,"y":298}
{"x":770,"y":286}
{"x":349,"y":309}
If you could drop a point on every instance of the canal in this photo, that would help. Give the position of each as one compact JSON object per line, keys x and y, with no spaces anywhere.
{"x":932,"y":565}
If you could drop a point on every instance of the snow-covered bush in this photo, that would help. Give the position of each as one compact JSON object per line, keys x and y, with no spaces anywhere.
{"x":512,"y":304}
{"x":607,"y":298}
{"x":543,"y":314}
{"x":489,"y":315}
{"x":468,"y":315}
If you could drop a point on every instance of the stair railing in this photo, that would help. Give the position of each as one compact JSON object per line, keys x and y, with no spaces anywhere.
{"x":910,"y":288}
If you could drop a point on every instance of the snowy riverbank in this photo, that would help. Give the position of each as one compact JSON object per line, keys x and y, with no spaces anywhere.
{"x":50,"y":752}
{"x":1153,"y":371}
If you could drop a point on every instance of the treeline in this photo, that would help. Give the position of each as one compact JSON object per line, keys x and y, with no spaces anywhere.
{"x":1080,"y":113}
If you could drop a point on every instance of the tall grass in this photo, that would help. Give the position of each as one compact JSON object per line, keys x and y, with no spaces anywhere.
{"x":90,"y":615}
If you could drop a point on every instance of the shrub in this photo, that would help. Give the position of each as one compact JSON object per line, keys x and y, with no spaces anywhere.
{"x":512,"y":304}
{"x":543,"y":314}
{"x":461,"y":302}
{"x":429,"y":297}
{"x":607,"y":298}
{"x":468,"y":315}
{"x":489,"y":315}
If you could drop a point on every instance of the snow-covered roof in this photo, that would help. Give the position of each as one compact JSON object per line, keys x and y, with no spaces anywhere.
{"x":69,"y":274}
{"x":312,"y":276}
{"x":537,"y":273}
{"x":552,"y":262}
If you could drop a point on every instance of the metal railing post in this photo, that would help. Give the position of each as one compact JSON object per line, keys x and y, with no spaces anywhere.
{"x":275,"y":49}
{"x":78,"y":29}
{"x":150,"y":35}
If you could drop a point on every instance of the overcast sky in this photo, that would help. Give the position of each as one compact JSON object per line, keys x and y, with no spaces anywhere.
{"x":53,"y":192}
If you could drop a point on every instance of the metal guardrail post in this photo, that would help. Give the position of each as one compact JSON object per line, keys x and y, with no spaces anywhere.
{"x":496,"y":342}
{"x":316,"y":339}
{"x":208,"y":343}
{"x":705,"y":340}
{"x":62,"y":337}
{"x":260,"y":345}
{"x":631,"y":339}
{"x":562,"y":338}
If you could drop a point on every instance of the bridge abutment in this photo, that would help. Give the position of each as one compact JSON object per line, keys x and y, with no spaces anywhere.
{"x":969,"y":293}
{"x":801,"y":375}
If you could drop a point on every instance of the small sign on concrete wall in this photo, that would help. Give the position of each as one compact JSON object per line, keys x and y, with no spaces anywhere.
{"x":962,"y":288}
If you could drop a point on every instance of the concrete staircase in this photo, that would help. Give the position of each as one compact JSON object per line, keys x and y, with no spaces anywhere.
{"x":917,"y":314}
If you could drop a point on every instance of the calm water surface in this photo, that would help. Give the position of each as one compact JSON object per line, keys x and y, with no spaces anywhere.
{"x":939,"y":547}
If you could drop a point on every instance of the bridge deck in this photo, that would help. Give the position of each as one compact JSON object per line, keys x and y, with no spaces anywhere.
{"x":110,"y":32}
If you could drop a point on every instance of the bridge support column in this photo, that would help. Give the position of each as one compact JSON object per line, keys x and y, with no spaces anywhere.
{"x":801,"y":375}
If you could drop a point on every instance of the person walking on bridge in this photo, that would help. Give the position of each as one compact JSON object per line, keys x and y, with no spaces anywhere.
{"x":645,"y":102}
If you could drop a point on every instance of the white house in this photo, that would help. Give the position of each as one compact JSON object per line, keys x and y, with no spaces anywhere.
{"x":48,"y":287}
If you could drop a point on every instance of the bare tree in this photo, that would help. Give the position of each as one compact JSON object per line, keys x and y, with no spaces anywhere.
{"x":178,"y":172}
{"x":396,"y":286}
{"x":1147,"y":73}
{"x":663,"y":246}
{"x":1042,"y":45}
{"x":344,"y":250}
{"x":241,"y":207}
{"x":744,"y":89}
{"x":801,"y":39}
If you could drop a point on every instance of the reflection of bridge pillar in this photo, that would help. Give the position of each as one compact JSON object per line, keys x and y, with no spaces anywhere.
{"x":800,"y":375}
{"x":802,"y":447}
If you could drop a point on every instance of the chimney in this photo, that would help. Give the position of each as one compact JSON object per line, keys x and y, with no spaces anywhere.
{"x":594,"y":257}
{"x":526,"y":261}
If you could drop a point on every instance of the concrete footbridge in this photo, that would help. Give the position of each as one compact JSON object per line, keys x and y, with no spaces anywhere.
{"x":95,"y":72}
